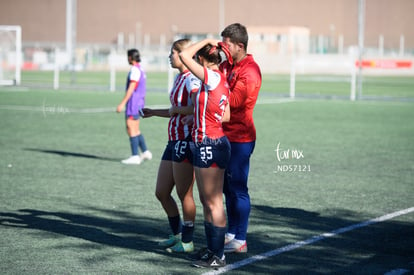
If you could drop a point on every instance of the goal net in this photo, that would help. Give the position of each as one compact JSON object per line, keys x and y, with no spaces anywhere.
{"x":10,"y":55}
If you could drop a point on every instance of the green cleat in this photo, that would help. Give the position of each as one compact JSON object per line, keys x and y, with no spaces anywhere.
{"x":181,"y":247}
{"x":172,"y":240}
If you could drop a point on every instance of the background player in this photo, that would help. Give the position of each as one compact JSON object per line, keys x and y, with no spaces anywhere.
{"x":176,"y":165}
{"x":134,"y":100}
{"x":244,"y":78}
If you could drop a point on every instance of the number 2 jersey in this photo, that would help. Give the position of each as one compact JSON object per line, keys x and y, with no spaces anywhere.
{"x":211,"y":99}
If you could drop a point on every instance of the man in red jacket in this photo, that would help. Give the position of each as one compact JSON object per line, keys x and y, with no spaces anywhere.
{"x":244,"y":78}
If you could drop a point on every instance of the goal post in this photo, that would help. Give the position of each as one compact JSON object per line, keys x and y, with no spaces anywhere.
{"x":10,"y":54}
{"x":320,"y":68}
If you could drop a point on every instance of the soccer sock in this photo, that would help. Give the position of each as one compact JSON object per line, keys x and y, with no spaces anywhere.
{"x":215,"y":238}
{"x":175,"y":224}
{"x":134,"y":145}
{"x":187,"y":232}
{"x":208,"y":230}
{"x":141,"y":143}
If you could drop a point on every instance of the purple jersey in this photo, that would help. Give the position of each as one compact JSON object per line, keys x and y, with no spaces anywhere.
{"x":137,"y":100}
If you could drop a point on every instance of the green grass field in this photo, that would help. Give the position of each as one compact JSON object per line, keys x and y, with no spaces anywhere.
{"x":68,"y":206}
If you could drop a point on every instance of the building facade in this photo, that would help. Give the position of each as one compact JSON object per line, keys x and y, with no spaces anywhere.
{"x":151,"y":21}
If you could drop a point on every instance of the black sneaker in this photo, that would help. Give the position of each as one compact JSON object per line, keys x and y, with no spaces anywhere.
{"x":211,"y":260}
{"x":202,"y":253}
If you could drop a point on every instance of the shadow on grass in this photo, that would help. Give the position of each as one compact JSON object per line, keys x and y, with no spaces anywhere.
{"x":374,"y":249}
{"x":120,"y":229}
{"x":71,"y":154}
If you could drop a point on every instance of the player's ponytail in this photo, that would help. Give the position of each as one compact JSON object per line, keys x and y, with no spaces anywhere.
{"x":210,"y":53}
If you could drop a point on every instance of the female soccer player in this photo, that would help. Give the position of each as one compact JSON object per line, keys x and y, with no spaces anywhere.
{"x":212,"y":149}
{"x":134,"y":101}
{"x":176,"y":165}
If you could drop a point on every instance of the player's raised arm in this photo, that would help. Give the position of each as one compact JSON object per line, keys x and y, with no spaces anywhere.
{"x":186,"y":56}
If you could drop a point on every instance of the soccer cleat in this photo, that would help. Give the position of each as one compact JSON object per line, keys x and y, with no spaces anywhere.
{"x":146,"y":155}
{"x":211,"y":260}
{"x":132,"y":160}
{"x":235,"y":246}
{"x":201,"y":253}
{"x":228,"y":238}
{"x":172,"y":240}
{"x":181,"y":247}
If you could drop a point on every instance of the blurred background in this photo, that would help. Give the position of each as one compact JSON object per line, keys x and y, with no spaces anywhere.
{"x":328,"y":37}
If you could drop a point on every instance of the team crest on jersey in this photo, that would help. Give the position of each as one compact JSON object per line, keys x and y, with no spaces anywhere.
{"x":222,"y":105}
{"x":223,"y":99}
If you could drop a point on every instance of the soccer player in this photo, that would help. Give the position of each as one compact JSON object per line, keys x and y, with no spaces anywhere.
{"x":134,"y":101}
{"x":244,"y":78}
{"x":212,"y":149}
{"x":176,"y":167}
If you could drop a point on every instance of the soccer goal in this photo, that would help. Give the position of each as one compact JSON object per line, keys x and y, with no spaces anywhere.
{"x":329,"y":69}
{"x":10,"y":55}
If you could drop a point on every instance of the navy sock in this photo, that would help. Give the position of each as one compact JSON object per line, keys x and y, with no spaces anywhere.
{"x":141,"y":143}
{"x":208,"y":228}
{"x":175,"y":224}
{"x":215,"y":238}
{"x":187,"y":232}
{"x":134,"y":145}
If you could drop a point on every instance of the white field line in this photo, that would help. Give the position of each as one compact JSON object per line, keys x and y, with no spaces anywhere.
{"x":261,"y":101}
{"x":63,"y":110}
{"x":311,"y":240}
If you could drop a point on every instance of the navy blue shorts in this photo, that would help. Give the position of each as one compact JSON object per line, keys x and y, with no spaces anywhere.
{"x":135,"y":116}
{"x":178,"y":151}
{"x":212,"y":153}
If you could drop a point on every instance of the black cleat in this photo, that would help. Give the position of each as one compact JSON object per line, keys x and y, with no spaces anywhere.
{"x":210,"y":260}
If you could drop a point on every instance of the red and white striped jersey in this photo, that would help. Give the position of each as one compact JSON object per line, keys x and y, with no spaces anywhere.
{"x":210,"y":103}
{"x":180,"y":95}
